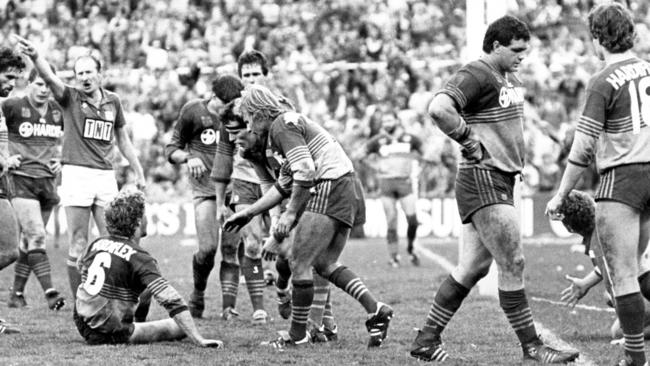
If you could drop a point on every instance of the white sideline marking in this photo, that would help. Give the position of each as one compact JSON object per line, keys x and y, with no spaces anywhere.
{"x":578,"y":306}
{"x":189,"y":242}
{"x":546,"y":334}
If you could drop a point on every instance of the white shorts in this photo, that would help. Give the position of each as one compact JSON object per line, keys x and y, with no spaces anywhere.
{"x":82,"y":186}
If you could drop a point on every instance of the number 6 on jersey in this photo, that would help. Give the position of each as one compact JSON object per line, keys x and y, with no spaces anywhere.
{"x":96,"y":273}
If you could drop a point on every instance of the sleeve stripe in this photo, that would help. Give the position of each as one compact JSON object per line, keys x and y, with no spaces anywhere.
{"x":456,"y":94}
{"x":158,"y":285}
{"x":578,"y":163}
{"x":297,"y":153}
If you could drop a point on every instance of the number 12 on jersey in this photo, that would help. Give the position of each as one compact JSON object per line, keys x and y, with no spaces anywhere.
{"x":97,"y":274}
{"x":639,"y":103}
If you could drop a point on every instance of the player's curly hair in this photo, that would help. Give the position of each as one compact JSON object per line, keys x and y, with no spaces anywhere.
{"x":579,"y":211}
{"x":613,"y":26}
{"x":124,"y":214}
{"x":504,"y":30}
{"x":10,"y":59}
{"x":262,"y":104}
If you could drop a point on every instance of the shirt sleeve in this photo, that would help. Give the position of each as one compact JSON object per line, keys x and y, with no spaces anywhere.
{"x":463,"y":88}
{"x":222,"y":165}
{"x":66,"y":97}
{"x":590,"y":125}
{"x":149,"y":275}
{"x":181,"y":135}
{"x":288,"y":135}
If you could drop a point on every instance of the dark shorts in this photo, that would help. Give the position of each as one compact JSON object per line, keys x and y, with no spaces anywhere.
{"x":628,"y":184}
{"x":93,"y":337}
{"x":395,"y":187}
{"x":41,"y":189}
{"x":341,"y":199}
{"x":477,"y":188}
{"x":244,"y":193}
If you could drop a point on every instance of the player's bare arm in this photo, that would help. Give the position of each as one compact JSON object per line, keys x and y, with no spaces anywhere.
{"x":194,"y":164}
{"x":185,"y":322}
{"x":28,"y":49}
{"x":125,"y":146}
{"x":239,"y":219}
{"x":442,"y":110}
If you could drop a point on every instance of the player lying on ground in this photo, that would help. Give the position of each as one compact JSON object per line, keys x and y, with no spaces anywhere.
{"x":115,"y":270}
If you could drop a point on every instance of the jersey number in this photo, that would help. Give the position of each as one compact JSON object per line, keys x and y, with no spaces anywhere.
{"x":96,"y":273}
{"x":639,"y":103}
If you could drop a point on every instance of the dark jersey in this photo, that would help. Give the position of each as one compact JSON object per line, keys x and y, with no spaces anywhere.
{"x":396,"y":153}
{"x":114,"y":272}
{"x":492,"y":105}
{"x":614,"y":124}
{"x":36,"y":138}
{"x":89,"y":131}
{"x":197,"y":132}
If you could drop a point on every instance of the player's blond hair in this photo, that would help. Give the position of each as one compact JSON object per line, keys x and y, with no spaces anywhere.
{"x":262,"y":104}
{"x":124,"y":214}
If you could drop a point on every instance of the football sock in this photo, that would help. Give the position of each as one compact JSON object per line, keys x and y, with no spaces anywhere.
{"x":446,"y":302}
{"x":644,"y":283}
{"x":411,"y":232}
{"x":201,"y":271}
{"x":229,"y":277}
{"x":328,"y":313}
{"x":284,"y":273}
{"x":349,"y":282}
{"x":301,"y":299}
{"x":321,"y":292}
{"x":630,"y":310}
{"x":391,"y":238}
{"x":254,"y":275}
{"x":74,"y":277}
{"x":40,"y":264}
{"x":515,"y":306}
{"x":22,"y":271}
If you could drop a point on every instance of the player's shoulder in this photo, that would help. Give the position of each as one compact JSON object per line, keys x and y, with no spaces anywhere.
{"x":476,"y":69}
{"x":13,"y":102}
{"x":110,"y":96}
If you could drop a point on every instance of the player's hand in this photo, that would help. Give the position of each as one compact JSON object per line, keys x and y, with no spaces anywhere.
{"x":211,"y":343}
{"x":223,"y":212}
{"x":285,"y":224}
{"x":553,"y":208}
{"x":24,"y":46}
{"x":14,"y":161}
{"x":271,"y":248}
{"x":473,"y":151}
{"x":237,"y":221}
{"x":141,"y":183}
{"x":576,"y":291}
{"x":196,"y":167}
{"x":4,"y":167}
{"x":55,"y":165}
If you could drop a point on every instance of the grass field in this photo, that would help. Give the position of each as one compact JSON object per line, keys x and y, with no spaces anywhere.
{"x":479,"y":332}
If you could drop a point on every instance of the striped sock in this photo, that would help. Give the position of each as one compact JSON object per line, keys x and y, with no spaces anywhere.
{"x":22,"y":271}
{"x":301,"y":298}
{"x":515,"y":306}
{"x":328,"y":314}
{"x":229,"y":277}
{"x":254,"y":275}
{"x":40,"y":264}
{"x":321,"y":292}
{"x":630,"y":310}
{"x":349,"y":282}
{"x":446,"y":302}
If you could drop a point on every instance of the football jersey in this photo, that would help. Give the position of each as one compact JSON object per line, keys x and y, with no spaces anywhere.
{"x":36,"y":138}
{"x":613,"y":126}
{"x":312,"y":153}
{"x":493,"y":106}
{"x":197,"y":132}
{"x":114,"y":272}
{"x":396,"y":153}
{"x":89,"y":131}
{"x":4,"y":136}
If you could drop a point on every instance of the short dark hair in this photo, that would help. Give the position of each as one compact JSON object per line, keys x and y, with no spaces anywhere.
{"x":98,"y":63}
{"x":10,"y":59}
{"x":579,"y":211}
{"x":33,"y":73}
{"x":613,"y":26}
{"x":230,"y":120}
{"x":227,"y":87}
{"x":504,"y":30}
{"x":125,"y":213}
{"x":253,"y":57}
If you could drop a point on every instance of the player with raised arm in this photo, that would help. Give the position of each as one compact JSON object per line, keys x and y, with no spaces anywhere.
{"x":115,"y":270}
{"x":35,"y":128}
{"x":94,"y":125}
{"x":11,"y":67}
{"x":481,"y":108}
{"x":613,"y":128}
{"x":194,"y":142}
{"x":325,"y":202}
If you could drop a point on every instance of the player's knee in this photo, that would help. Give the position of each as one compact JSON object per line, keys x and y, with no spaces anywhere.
{"x":300,"y":269}
{"x":229,"y":252}
{"x":644,"y":284}
{"x":391,"y":235}
{"x":205,"y":256}
{"x":253,"y":249}
{"x":35,"y":240}
{"x":412,"y":220}
{"x":516,"y":265}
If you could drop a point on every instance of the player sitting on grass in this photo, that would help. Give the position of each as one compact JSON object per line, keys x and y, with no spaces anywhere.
{"x":115,"y":270}
{"x":579,"y":217}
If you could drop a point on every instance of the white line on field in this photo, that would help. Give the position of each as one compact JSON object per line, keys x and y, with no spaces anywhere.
{"x":578,"y":306}
{"x":546,"y":334}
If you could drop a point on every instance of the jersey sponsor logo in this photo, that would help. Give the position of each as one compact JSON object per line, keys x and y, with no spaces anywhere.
{"x":395,"y":148}
{"x":28,"y":129}
{"x":625,"y":73}
{"x":208,"y":136}
{"x":510,"y":95}
{"x":121,"y":250}
{"x":25,"y":112}
{"x":98,"y":130}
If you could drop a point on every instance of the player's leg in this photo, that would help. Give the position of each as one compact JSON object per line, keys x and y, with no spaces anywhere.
{"x":8,"y":234}
{"x":229,"y":273}
{"x":329,"y":324}
{"x":620,"y":244}
{"x":156,"y":331}
{"x":317,"y":310}
{"x":251,"y":264}
{"x":408,"y":204}
{"x":203,"y":260}
{"x":282,"y":287}
{"x":77,"y":219}
{"x":21,"y":275}
{"x":390,"y":210}
{"x":144,"y":303}
{"x":644,"y":254}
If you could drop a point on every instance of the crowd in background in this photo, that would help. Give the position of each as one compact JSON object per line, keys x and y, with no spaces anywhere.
{"x":340,"y":61}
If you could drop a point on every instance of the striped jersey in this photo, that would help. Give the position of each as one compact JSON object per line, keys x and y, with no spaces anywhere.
{"x":396,"y":153}
{"x":312,"y":153}
{"x":36,"y":137}
{"x":493,"y":106}
{"x":613,"y":126}
{"x":114,"y":272}
{"x":197,"y":132}
{"x":89,"y":131}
